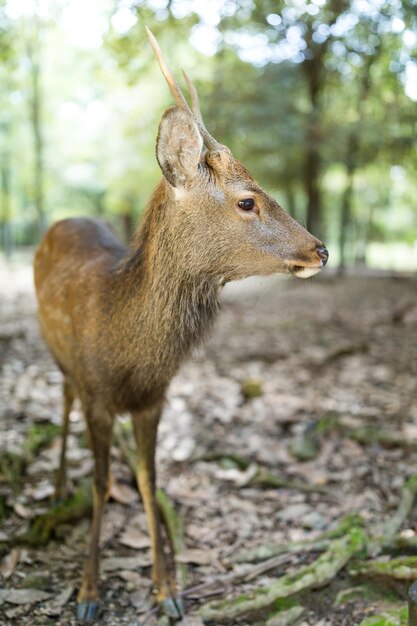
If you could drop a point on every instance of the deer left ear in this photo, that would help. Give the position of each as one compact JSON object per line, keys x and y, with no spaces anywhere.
{"x":178,"y":147}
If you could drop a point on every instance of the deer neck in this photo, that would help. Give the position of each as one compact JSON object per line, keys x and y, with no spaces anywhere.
{"x":169,"y":308}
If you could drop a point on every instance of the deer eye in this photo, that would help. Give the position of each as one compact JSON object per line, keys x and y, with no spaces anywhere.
{"x":247,"y":204}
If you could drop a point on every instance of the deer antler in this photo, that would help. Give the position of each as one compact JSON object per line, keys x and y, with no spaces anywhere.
{"x":179,"y":98}
{"x":195,"y":103}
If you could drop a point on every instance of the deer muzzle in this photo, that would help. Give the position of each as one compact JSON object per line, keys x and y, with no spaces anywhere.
{"x":306,"y":270}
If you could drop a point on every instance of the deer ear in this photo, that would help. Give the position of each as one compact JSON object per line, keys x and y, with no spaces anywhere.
{"x":178,"y":147}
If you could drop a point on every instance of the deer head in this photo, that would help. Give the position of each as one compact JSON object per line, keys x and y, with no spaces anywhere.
{"x":224,"y":224}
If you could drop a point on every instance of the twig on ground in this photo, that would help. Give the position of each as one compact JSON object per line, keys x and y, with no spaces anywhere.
{"x":346,"y":541}
{"x":382,"y":533}
{"x":403,"y":568}
{"x":321,"y":543}
{"x":262,"y":478}
{"x":315,"y":575}
{"x":393,"y":617}
{"x":220,"y":583}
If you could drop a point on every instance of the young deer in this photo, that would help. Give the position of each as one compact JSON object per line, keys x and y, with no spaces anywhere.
{"x":120,"y":321}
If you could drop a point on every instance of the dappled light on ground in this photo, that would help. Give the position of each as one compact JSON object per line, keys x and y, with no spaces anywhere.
{"x":300,"y":410}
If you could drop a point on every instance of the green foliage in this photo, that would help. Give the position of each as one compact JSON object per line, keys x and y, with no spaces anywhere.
{"x":37,"y":437}
{"x":311,"y":97}
{"x":12,"y":466}
{"x":314,"y":575}
{"x":394,"y":617}
{"x":70,"y":510}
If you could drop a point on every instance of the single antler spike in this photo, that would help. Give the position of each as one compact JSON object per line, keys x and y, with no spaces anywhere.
{"x":179,"y":98}
{"x":172,"y":83}
{"x":194,"y":97}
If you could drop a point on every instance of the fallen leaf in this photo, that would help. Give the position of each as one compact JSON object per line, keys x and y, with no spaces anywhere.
{"x":123,"y":493}
{"x":198,"y":557}
{"x":130,"y":577}
{"x":184,"y":449}
{"x":113,"y":564}
{"x":142,"y":600}
{"x":9,"y":562}
{"x":134,"y":538}
{"x":83,"y":468}
{"x":44,"y":490}
{"x":23,"y":596}
{"x":191,"y":620}
{"x":293,"y":512}
{"x":240,"y":478}
{"x":23,"y":511}
{"x":56,"y":605}
{"x":63,"y":597}
{"x":13,"y":614}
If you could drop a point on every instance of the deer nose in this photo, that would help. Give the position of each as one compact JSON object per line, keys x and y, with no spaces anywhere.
{"x":323,"y":254}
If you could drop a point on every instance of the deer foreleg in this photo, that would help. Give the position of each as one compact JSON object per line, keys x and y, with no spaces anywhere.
{"x":100,"y":426}
{"x":145,"y":424}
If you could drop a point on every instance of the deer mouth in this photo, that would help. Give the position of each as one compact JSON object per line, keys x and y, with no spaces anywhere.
{"x":304,"y":271}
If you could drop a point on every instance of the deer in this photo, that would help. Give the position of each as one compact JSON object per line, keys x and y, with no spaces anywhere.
{"x":119,"y":320}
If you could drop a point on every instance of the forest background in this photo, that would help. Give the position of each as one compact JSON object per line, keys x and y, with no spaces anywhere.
{"x":317,"y":98}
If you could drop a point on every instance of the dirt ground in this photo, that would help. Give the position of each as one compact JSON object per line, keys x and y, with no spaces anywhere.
{"x":312,"y":382}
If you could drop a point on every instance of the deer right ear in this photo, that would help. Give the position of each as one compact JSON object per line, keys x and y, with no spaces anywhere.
{"x":179,"y":146}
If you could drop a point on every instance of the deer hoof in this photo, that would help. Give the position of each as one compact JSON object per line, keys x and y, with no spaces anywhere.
{"x":173,"y":607}
{"x":87,"y":611}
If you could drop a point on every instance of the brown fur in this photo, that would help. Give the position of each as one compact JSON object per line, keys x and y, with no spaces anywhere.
{"x":119,"y":321}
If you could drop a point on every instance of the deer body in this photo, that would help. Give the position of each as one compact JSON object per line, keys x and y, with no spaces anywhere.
{"x":120,"y":320}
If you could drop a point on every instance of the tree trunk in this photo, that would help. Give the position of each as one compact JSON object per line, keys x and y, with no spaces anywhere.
{"x":312,"y":174}
{"x":352,"y":160}
{"x":345,"y":220}
{"x":312,"y":168}
{"x":35,"y":103}
{"x":315,"y":74}
{"x":346,"y":209}
{"x":6,"y":231}
{"x":363,"y":237}
{"x":290,"y":199}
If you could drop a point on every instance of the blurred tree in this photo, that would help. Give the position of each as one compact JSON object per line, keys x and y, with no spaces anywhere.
{"x":314,"y":96}
{"x":33,"y":45}
{"x":6,"y":62}
{"x":331,"y":47}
